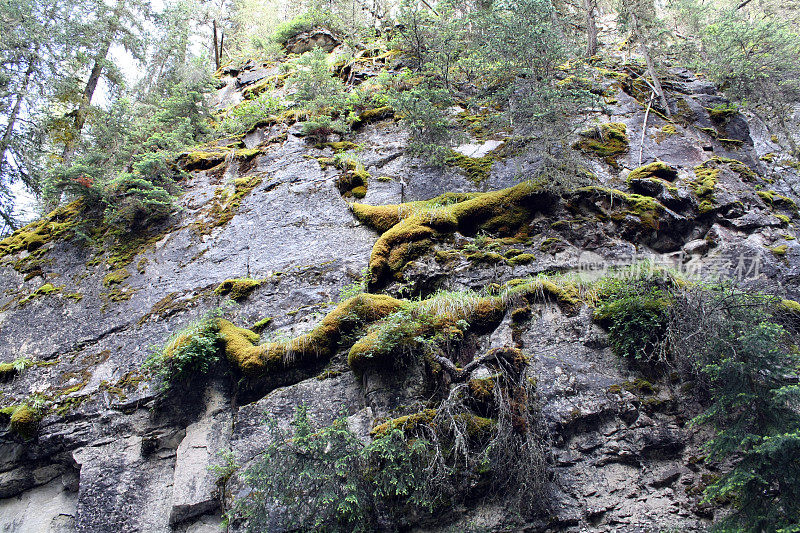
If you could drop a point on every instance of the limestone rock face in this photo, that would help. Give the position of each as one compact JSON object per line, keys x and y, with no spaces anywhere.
{"x":114,"y":454}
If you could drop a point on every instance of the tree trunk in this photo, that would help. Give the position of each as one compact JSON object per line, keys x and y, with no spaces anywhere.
{"x":651,"y":70}
{"x":591,"y":27}
{"x":5,"y":142}
{"x":216,"y":47}
{"x":91,"y":85}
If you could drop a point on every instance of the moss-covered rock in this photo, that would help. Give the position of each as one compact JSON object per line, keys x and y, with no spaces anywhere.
{"x":224,"y":205}
{"x":648,"y":210}
{"x":237,"y":288}
{"x":36,"y":234}
{"x":202,"y":160}
{"x":24,"y":421}
{"x":608,"y":141}
{"x":116,"y":277}
{"x":775,"y":200}
{"x":657,"y":169}
{"x":477,"y":169}
{"x":407,"y":230}
{"x":44,"y":290}
{"x":316,"y":345}
{"x":372,"y":115}
{"x":408,"y":423}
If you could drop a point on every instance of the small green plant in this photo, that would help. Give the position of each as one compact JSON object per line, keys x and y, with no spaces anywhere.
{"x":15,"y":367}
{"x":635,"y":312}
{"x":191,"y":351}
{"x":245,"y":116}
{"x":355,"y":288}
{"x":225,"y":468}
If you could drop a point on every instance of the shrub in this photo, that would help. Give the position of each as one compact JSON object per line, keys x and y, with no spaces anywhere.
{"x":316,"y":88}
{"x":423,"y":110}
{"x":742,"y":358}
{"x":309,"y":480}
{"x":635,"y":312}
{"x":193,"y":350}
{"x":248,"y":114}
{"x":326,"y":479}
{"x":302,"y":23}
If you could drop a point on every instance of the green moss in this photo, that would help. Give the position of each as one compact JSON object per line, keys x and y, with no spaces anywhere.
{"x":269,"y":83}
{"x":789,"y":306}
{"x":722,"y":112}
{"x":116,"y":277}
{"x":640,"y":386}
{"x":647,"y":209}
{"x":407,"y":229}
{"x":326,"y":162}
{"x":608,"y":141}
{"x":247,"y":153}
{"x":36,"y":234}
{"x":238,"y":288}
{"x":784,"y":219}
{"x":9,"y":370}
{"x":201,"y":160}
{"x":408,"y":423}
{"x":482,"y":389}
{"x":372,"y":115}
{"x":477,"y":169}
{"x":44,"y":290}
{"x":779,"y":250}
{"x":441,"y":318}
{"x":359,"y":192}
{"x":262,"y":324}
{"x":773,"y":199}
{"x":383,"y":179}
{"x":521,"y":259}
{"x":127,"y":247}
{"x":24,"y":421}
{"x":119,"y":293}
{"x":669,"y":129}
{"x":318,"y":344}
{"x":657,"y":169}
{"x":224,"y":206}
{"x":549,"y":243}
{"x":340,"y":146}
{"x":485,"y":257}
{"x":711,"y":132}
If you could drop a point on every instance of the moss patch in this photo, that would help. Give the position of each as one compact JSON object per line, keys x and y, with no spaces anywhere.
{"x":779,"y":250}
{"x":24,"y":421}
{"x":116,"y":277}
{"x":36,"y":234}
{"x":238,"y":288}
{"x":521,"y":259}
{"x":647,"y":209}
{"x":201,"y":160}
{"x":477,"y":169}
{"x":372,"y":115}
{"x":225,"y":205}
{"x":408,"y":423}
{"x":407,"y":229}
{"x":775,"y":200}
{"x":44,"y":290}
{"x":318,"y":344}
{"x":608,"y":141}
{"x":703,"y":186}
{"x":657,"y":169}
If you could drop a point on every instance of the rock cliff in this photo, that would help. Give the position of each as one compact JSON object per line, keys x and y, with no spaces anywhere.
{"x":700,"y":192}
